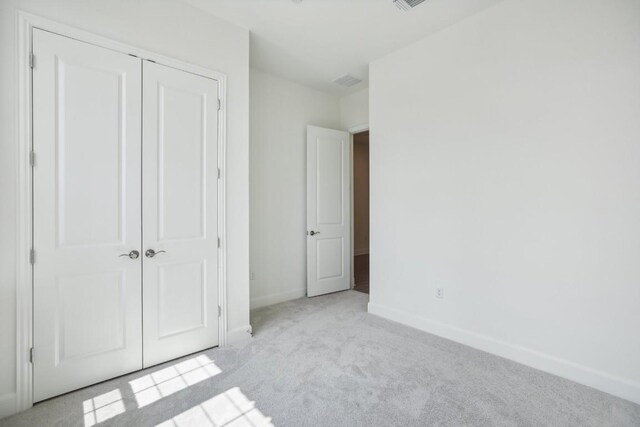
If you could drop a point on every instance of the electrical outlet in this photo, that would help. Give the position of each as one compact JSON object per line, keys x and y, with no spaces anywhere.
{"x":440,"y":293}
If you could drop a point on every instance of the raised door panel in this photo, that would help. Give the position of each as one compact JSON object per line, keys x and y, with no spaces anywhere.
{"x":181,"y":298}
{"x":180,"y":213}
{"x":181,"y":163}
{"x":89,"y":153}
{"x":329,"y":180}
{"x":87,"y":192}
{"x":330,"y":254}
{"x":97,"y":299}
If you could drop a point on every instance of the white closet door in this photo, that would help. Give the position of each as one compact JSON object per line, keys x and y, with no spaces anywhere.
{"x":86,"y":183}
{"x":328,"y":215}
{"x":180,"y":192}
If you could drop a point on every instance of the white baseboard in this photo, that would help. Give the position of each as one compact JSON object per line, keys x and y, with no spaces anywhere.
{"x":582,"y":374}
{"x":357,"y":252}
{"x":7,"y":404}
{"x":239,"y":335}
{"x":276,"y":298}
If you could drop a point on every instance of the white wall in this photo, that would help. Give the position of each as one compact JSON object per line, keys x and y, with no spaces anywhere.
{"x":505,"y":167}
{"x":166,"y":27}
{"x":354,"y":109}
{"x":280,"y":112}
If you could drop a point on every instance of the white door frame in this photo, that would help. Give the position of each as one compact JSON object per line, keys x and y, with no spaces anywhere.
{"x":352,"y":131}
{"x":24,"y":207}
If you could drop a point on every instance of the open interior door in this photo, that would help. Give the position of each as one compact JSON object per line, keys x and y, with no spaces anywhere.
{"x":328,"y":217}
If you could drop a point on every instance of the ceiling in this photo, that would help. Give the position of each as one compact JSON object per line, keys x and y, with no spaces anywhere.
{"x":314,"y":41}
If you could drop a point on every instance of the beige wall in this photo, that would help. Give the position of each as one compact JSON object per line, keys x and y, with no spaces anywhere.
{"x":361,"y":193}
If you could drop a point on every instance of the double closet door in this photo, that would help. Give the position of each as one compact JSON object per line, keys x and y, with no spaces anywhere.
{"x":125,"y":226}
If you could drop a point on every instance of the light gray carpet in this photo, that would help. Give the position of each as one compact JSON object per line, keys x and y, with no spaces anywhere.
{"x":325,"y":362}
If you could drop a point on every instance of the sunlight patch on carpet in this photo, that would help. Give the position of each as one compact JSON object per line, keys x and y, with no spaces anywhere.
{"x":102,"y":407}
{"x":231,"y":408}
{"x":165,"y":382}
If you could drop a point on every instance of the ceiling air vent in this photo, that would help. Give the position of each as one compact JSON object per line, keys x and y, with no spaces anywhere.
{"x":347,"y":80}
{"x":406,"y":4}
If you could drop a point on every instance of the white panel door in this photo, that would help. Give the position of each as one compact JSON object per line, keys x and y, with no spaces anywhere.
{"x":180,"y":203}
{"x":86,"y":198}
{"x":328,"y":217}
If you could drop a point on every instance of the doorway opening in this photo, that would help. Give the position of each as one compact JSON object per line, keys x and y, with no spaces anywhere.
{"x":360,"y":169}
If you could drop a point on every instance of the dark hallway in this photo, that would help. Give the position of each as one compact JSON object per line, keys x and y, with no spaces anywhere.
{"x":361,"y":273}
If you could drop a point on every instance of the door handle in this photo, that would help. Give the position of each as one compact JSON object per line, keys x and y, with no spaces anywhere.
{"x":132,"y":254}
{"x":313,"y":233}
{"x":150,"y":253}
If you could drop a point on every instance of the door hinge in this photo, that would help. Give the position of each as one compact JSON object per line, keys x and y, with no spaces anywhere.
{"x":218,"y":242}
{"x":32,"y":256}
{"x":31,"y":355}
{"x":219,"y":311}
{"x":219,"y":104}
{"x":218,"y":173}
{"x":31,"y":59}
{"x":32,"y":158}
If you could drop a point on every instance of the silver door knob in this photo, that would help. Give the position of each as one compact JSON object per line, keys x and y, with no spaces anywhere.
{"x":150,"y":253}
{"x":132,"y":254}
{"x":313,"y":233}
